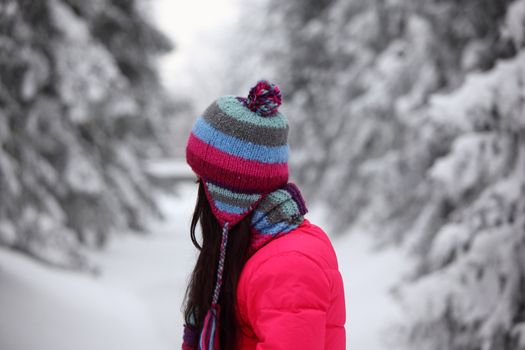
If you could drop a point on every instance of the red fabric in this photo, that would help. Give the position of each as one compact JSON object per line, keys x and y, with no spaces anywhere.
{"x":290,"y":295}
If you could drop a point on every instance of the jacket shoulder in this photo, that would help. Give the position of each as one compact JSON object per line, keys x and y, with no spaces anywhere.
{"x":301,"y":261}
{"x":307,"y":239}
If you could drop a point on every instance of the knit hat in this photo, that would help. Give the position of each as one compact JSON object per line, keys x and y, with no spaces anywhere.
{"x":239,"y":149}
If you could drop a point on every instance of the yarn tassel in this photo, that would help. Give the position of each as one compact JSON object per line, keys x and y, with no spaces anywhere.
{"x":209,"y":338}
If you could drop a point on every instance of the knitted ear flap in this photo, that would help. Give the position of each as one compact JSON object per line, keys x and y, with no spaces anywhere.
{"x":209,"y":338}
{"x":229,"y":206}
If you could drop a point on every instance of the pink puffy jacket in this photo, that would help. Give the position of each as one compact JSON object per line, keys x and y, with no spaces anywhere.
{"x":290,"y":294}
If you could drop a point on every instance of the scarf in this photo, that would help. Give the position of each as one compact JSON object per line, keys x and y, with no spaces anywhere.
{"x":277,"y":214}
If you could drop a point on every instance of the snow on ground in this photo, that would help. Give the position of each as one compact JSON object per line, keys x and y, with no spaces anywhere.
{"x":156,"y":267}
{"x":368,"y":277}
{"x":41,"y":308}
{"x":136,"y":301}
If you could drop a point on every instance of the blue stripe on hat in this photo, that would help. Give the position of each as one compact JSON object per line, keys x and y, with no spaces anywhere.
{"x":231,"y":209}
{"x":237,"y":147}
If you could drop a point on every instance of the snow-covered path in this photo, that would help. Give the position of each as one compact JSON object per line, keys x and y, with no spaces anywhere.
{"x":136,"y":301}
{"x":368,"y":276}
{"x":156,"y":267}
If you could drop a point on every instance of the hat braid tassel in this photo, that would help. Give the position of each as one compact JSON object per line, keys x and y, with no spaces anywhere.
{"x":209,"y":338}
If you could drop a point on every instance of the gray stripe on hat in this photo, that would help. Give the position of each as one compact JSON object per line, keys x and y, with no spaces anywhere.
{"x":257,"y":134}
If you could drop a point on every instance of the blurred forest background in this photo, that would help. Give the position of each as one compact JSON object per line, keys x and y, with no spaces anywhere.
{"x":408,"y":123}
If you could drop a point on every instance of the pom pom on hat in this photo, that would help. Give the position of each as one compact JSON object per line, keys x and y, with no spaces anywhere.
{"x":264,"y":98}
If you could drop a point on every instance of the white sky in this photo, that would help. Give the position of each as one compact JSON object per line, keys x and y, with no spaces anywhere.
{"x":191,"y":24}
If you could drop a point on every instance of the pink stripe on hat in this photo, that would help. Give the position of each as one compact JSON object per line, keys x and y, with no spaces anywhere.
{"x":234,"y":164}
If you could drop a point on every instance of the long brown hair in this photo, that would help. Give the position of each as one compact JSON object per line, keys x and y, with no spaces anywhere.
{"x":200,"y":288}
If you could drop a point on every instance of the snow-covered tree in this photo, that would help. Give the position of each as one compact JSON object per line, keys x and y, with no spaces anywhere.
{"x":79,"y":102}
{"x":408,"y":121}
{"x":467,"y":292}
{"x":356,"y":76}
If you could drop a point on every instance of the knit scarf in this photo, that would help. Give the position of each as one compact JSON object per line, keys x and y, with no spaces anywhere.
{"x":277,"y":214}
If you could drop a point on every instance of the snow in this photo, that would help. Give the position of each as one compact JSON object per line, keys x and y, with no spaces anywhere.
{"x":48,"y":309}
{"x":172,"y":168}
{"x":475,"y":158}
{"x":82,"y":175}
{"x":449,"y":240}
{"x":471,"y":107}
{"x":68,"y":23}
{"x":369,"y":275}
{"x":135,"y":302}
{"x":515,"y":22}
{"x":156,"y":267}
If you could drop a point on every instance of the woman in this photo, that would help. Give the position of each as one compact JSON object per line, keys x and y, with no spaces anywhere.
{"x":265,"y":278}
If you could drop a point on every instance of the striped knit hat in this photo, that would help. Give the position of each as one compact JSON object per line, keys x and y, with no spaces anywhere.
{"x":239,"y":149}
